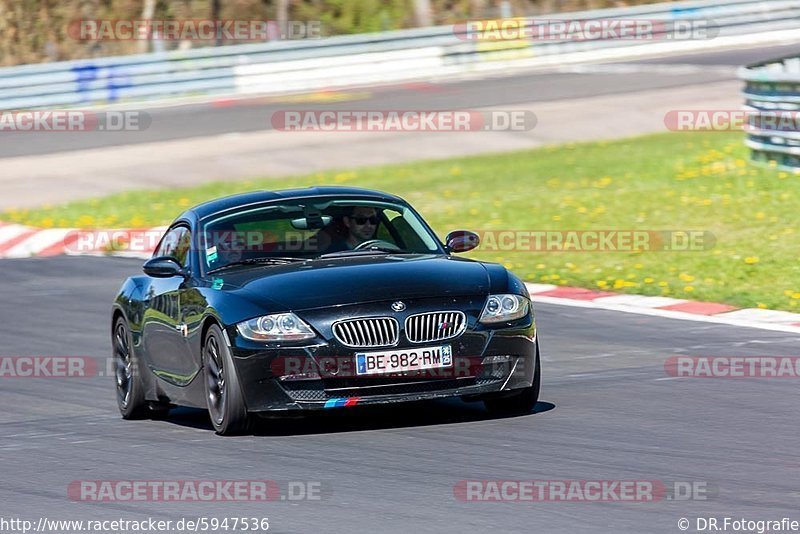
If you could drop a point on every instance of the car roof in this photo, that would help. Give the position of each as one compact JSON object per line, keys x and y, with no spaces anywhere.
{"x":212,"y":207}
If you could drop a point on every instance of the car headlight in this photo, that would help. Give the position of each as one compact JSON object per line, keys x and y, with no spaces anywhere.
{"x":275,"y":327}
{"x":501,"y":308}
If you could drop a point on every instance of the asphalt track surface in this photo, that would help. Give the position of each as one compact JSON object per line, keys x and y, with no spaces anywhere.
{"x":608,"y":411}
{"x":187,"y":121}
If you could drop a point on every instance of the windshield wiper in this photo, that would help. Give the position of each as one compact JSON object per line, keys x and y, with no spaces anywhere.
{"x":267,"y":260}
{"x":368,"y":252}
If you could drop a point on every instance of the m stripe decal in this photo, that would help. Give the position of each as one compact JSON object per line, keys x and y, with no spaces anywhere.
{"x":340,"y":401}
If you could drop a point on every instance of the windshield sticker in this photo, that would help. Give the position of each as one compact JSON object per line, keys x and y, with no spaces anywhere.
{"x":211,"y":254}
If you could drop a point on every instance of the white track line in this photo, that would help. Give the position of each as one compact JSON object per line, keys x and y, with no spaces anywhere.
{"x":667,"y":314}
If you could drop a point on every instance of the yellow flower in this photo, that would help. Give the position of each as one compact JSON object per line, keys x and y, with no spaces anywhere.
{"x":688,"y":289}
{"x":761,"y":305}
{"x":686,"y":277}
{"x":648,"y":280}
{"x":343,"y":177}
{"x":85,"y":221}
{"x":751,"y":260}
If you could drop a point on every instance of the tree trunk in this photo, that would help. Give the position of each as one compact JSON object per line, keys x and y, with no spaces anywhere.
{"x":215,"y":9}
{"x":147,"y":14}
{"x":283,"y":19}
{"x":422,"y":13}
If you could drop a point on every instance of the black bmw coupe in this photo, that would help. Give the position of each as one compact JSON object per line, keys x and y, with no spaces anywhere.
{"x":312,"y":299}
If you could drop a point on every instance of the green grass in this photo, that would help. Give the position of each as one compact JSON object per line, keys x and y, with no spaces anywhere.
{"x":689,"y":181}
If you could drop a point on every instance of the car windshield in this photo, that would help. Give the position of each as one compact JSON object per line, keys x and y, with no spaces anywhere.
{"x":306,"y":229}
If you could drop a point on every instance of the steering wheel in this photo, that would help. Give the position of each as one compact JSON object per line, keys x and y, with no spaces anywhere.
{"x":377,"y":244}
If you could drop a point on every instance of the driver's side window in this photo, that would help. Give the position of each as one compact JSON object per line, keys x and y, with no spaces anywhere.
{"x":176,"y":243}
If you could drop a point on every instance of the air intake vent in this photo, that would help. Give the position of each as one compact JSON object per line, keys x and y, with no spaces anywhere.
{"x":435,"y":326}
{"x":367,"y":333}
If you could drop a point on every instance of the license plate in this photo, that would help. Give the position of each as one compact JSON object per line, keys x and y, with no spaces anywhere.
{"x":401,"y":360}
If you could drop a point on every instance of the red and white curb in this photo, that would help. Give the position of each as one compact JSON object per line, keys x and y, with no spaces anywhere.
{"x":688,"y":310}
{"x":18,"y":241}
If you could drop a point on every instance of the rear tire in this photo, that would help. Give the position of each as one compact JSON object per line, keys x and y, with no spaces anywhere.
{"x":521,"y":402}
{"x":224,"y":395}
{"x":130,"y":392}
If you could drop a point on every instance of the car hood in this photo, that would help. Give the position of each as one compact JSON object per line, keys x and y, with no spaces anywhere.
{"x":339,"y":281}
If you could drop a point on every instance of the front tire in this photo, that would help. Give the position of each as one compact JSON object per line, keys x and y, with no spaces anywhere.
{"x":224,"y":395}
{"x":521,"y":402}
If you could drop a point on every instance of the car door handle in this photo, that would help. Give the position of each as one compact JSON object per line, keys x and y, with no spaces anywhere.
{"x":183,"y":329}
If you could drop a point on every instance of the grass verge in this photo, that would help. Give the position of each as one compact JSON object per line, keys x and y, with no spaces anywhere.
{"x":688,"y":181}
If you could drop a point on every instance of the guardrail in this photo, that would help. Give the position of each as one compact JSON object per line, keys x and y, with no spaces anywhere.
{"x":441,"y":51}
{"x":773,"y":88}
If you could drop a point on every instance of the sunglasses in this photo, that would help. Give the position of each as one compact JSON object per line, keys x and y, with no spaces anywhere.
{"x":363,"y":220}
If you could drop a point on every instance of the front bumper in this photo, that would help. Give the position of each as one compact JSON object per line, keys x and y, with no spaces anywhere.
{"x":485,"y":361}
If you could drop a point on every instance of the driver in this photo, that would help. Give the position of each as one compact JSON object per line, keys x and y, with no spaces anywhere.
{"x":355,"y":228}
{"x":361,"y":225}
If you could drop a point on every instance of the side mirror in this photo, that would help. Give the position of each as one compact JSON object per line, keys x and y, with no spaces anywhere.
{"x":462,"y":241}
{"x":163,"y":267}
